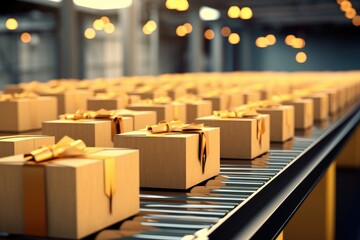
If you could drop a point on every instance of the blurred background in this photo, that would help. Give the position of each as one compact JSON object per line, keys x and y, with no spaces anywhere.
{"x":43,"y":39}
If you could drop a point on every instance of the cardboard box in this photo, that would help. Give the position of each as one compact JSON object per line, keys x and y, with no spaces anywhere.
{"x":304,"y":110}
{"x":13,"y":88}
{"x":96,"y":103}
{"x":219,"y":102}
{"x":20,"y":144}
{"x":321,"y":106}
{"x":25,"y":114}
{"x":176,"y":92}
{"x":94,"y":132}
{"x":73,"y":194}
{"x":239,"y":137}
{"x":134,"y":99}
{"x":251,"y":96}
{"x":179,"y":111}
{"x":282,"y":122}
{"x":70,"y":101}
{"x":141,"y":119}
{"x":333,"y":101}
{"x":235,"y":99}
{"x":171,"y":160}
{"x":266,"y":93}
{"x":151,"y":94}
{"x":163,"y":111}
{"x":198,"y":108}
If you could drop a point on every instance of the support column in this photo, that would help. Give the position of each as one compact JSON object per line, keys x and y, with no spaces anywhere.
{"x":196,"y":55}
{"x":216,"y":49}
{"x":245,"y":48}
{"x":68,"y":44}
{"x":229,"y":57}
{"x":154,"y":40}
{"x":130,"y":23}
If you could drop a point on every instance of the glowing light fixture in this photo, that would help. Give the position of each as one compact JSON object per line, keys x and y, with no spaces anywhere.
{"x":11,"y":24}
{"x":98,"y":24}
{"x":90,"y":33}
{"x":225,"y":31}
{"x":149,"y":27}
{"x":105,"y":19}
{"x":178,"y":5}
{"x":109,"y":28}
{"x":246,"y":13}
{"x":345,"y":5}
{"x":289,"y":39}
{"x":171,"y":4}
{"x":356,"y":21}
{"x":188,"y":27}
{"x":103,"y":4}
{"x":234,"y":38}
{"x":181,"y":31}
{"x":301,"y":57}
{"x":350,"y":13}
{"x":233,"y":12}
{"x":298,"y":43}
{"x":25,"y":37}
{"x":183,"y":6}
{"x":209,"y":14}
{"x":209,"y":34}
{"x":261,"y":42}
{"x":271,"y":39}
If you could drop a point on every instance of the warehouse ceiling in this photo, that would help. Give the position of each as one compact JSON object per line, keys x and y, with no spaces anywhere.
{"x":266,"y":13}
{"x":278,"y":12}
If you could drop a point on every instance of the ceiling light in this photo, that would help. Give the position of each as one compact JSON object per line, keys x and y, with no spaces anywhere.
{"x":103,"y":4}
{"x":209,"y":14}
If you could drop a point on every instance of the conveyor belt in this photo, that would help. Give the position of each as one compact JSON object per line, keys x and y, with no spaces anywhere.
{"x":249,"y":199}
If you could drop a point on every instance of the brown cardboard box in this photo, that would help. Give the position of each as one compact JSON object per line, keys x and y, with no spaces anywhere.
{"x":266,"y":93}
{"x":96,"y":103}
{"x":282,"y":122}
{"x":251,"y":96}
{"x":75,"y":200}
{"x":20,"y":144}
{"x":179,"y":111}
{"x":198,"y":90}
{"x":198,"y":108}
{"x":134,"y":99}
{"x":149,"y":94}
{"x":304,"y":110}
{"x":342,"y":97}
{"x":219,"y":102}
{"x":238,"y":136}
{"x":140,"y":118}
{"x":26,"y":114}
{"x":321,"y":106}
{"x":94,"y":132}
{"x":171,"y":160}
{"x":235,"y":99}
{"x":13,"y":88}
{"x":70,"y":101}
{"x":163,"y":111}
{"x":333,"y":101}
{"x":176,"y":92}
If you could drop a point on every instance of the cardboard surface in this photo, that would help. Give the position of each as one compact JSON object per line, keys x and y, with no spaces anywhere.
{"x":171,"y":160}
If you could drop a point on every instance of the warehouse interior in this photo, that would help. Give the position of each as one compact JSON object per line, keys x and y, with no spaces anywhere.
{"x":42,"y":40}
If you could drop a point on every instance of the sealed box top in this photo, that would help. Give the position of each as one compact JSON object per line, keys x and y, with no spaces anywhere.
{"x":144,"y":133}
